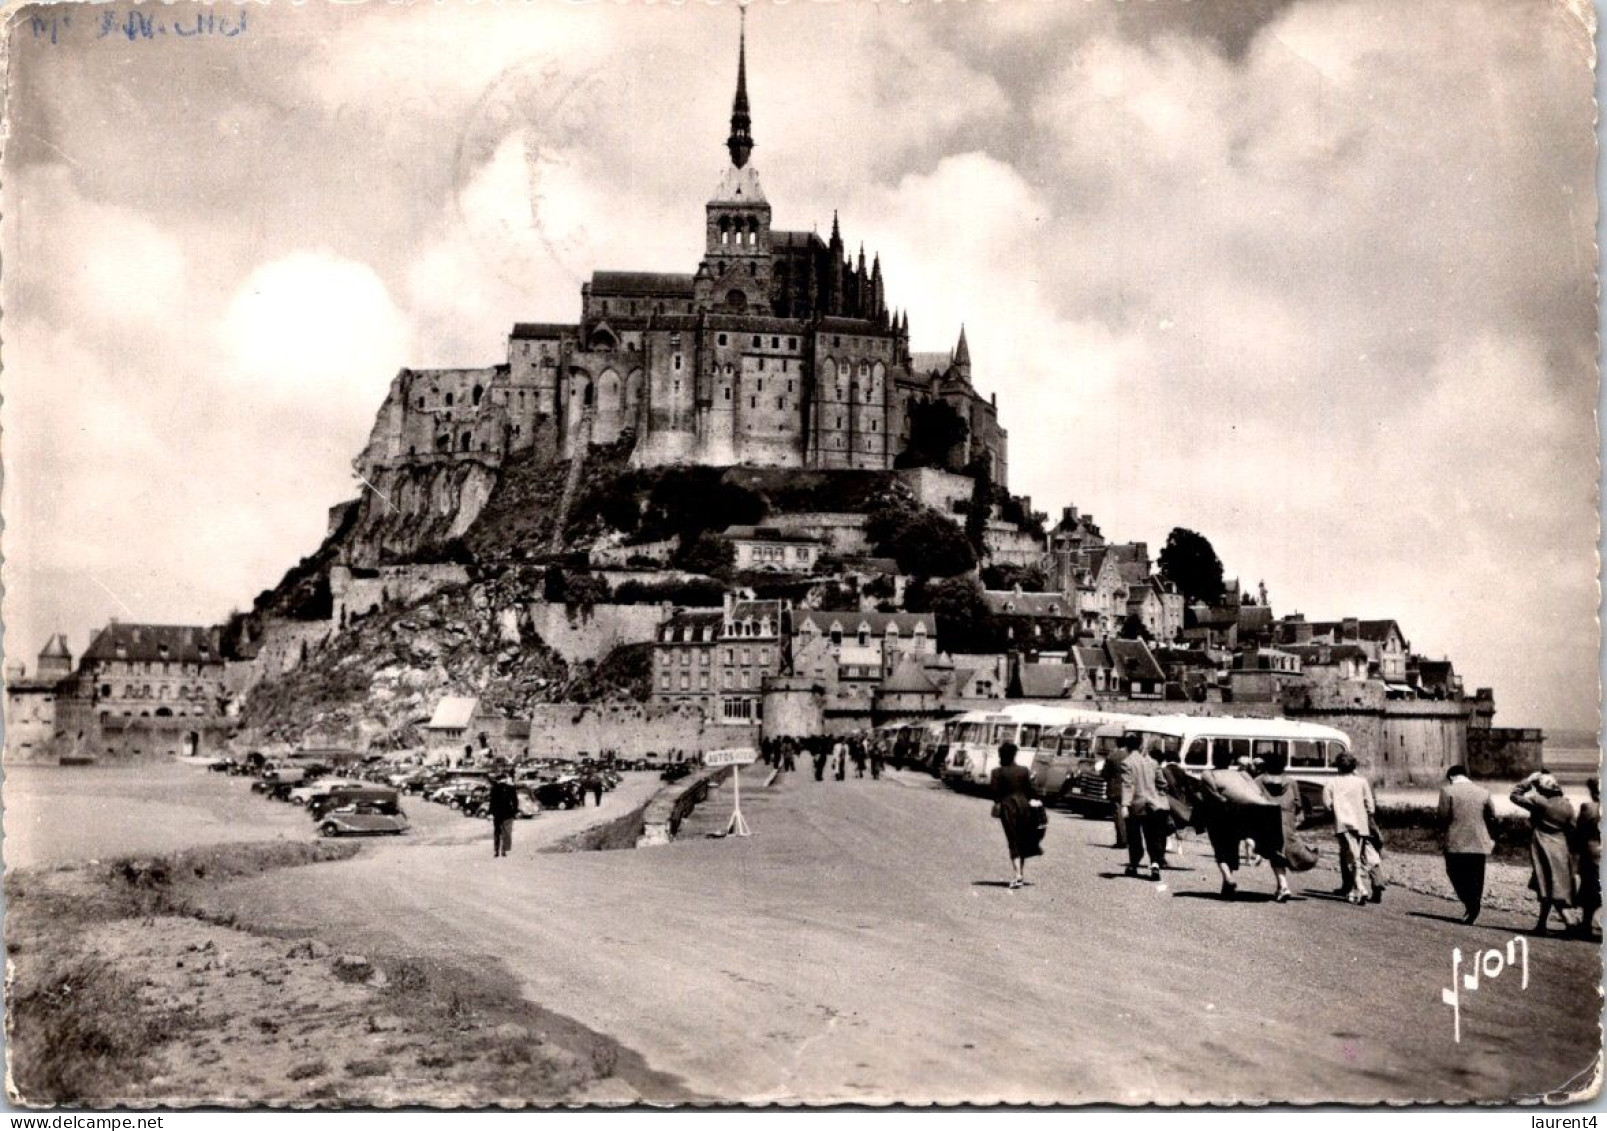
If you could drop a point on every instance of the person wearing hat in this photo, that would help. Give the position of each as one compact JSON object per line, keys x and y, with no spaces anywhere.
{"x":1467,"y":828}
{"x":1587,"y":853}
{"x":1349,"y":797}
{"x":1551,"y":828}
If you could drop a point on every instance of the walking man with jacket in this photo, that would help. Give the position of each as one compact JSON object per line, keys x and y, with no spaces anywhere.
{"x":504,"y":806}
{"x":1349,"y":797}
{"x":1146,"y":810}
{"x":1467,"y":822}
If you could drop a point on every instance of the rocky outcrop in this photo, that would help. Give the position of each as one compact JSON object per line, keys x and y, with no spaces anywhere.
{"x":415,"y":512}
{"x":374,"y":685}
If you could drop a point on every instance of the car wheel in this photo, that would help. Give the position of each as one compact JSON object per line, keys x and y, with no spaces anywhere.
{"x":327,"y":829}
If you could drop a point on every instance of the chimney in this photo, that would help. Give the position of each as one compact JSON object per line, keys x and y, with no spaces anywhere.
{"x":1350,"y":629}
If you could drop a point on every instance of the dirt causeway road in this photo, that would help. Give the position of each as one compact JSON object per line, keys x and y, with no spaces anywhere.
{"x":860,"y":948}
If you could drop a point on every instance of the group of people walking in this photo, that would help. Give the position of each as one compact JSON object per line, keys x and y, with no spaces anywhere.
{"x":1252,"y":812}
{"x":1247,"y":810}
{"x":828,"y":754}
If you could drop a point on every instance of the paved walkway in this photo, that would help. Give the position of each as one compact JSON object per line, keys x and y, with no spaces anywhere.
{"x":861,"y":946}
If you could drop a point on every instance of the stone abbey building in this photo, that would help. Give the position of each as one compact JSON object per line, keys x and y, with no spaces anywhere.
{"x":779,"y":350}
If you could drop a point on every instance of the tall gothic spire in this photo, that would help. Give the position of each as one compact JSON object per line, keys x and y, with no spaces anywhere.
{"x":740,"y":143}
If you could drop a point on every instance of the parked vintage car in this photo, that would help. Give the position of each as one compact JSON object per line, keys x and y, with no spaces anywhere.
{"x":309,"y":792}
{"x":562,"y":794}
{"x":365,"y":810}
{"x":277,"y":783}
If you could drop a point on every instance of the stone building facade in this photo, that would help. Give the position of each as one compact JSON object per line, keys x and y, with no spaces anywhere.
{"x":138,"y":671}
{"x":779,"y":350}
{"x":718,"y":660}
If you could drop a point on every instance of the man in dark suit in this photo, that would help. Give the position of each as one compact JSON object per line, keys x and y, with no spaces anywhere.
{"x":504,"y":806}
{"x":1467,"y":822}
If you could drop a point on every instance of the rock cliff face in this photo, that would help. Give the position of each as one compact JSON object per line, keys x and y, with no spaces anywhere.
{"x":376,"y":684}
{"x":413,"y":512}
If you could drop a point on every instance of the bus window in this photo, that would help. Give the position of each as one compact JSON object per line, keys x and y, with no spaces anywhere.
{"x":1236,"y":747}
{"x":1003,"y":732}
{"x":1268,"y":746}
{"x":1029,"y":735}
{"x":1306,"y":754}
{"x":1199,"y":753}
{"x":972,"y":732}
{"x":1172,"y":746}
{"x":1333,"y":750}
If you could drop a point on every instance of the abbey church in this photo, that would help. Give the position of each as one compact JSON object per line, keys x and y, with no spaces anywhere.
{"x":779,"y":351}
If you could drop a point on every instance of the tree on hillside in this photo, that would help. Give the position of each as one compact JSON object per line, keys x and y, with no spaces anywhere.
{"x":686,"y":501}
{"x":1006,"y":575}
{"x":936,"y":429}
{"x":929,"y":545}
{"x":1188,"y":562}
{"x":979,"y":510}
{"x":964,"y":623}
{"x":707,"y":553}
{"x":891,"y":515}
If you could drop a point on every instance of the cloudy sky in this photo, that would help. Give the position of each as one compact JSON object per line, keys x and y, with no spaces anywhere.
{"x":1313,"y":278}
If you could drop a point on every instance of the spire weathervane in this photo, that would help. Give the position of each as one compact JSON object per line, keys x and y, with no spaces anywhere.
{"x":740,"y":143}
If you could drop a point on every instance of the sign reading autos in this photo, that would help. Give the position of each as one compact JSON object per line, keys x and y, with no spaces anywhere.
{"x":735,"y":756}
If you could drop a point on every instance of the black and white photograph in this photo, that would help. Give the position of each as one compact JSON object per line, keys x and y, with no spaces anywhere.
{"x":759,"y":554}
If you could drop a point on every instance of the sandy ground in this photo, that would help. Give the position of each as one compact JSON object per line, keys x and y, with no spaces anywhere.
{"x":55,"y":814}
{"x":59,"y":814}
{"x":237,"y":1016}
{"x":861,"y":947}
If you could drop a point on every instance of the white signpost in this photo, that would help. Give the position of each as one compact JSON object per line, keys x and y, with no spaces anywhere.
{"x":736,"y":757}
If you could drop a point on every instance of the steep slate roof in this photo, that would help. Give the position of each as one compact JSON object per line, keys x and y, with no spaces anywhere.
{"x":767,"y":534}
{"x":1046,"y":681}
{"x":1091,"y":657}
{"x":758,"y":610}
{"x":908,"y":678}
{"x":1007,"y":602}
{"x":864,"y":327}
{"x":822,"y":620}
{"x":155,"y":643}
{"x":56,"y":648}
{"x":641,"y":283}
{"x":794,"y":239}
{"x":686,"y":626}
{"x":1326,"y":653}
{"x":1255,"y":618}
{"x":1134,"y":661}
{"x":453,"y":713}
{"x":1374,"y":631}
{"x":544,"y":329}
{"x":930,"y":361}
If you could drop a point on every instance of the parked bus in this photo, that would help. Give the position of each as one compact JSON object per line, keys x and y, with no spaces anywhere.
{"x":1073,"y":773}
{"x":1312,"y":750}
{"x":1035,"y":729}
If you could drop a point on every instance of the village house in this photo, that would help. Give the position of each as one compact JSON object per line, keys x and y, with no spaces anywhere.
{"x":1386,"y":646}
{"x":1434,"y":679}
{"x":719,"y":660}
{"x":1033,"y":621}
{"x":773,"y":549}
{"x":463,"y":730}
{"x":850,"y":653}
{"x":1157,"y":607}
{"x":1263,"y":675}
{"x":153,"y":671}
{"x":31,"y":702}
